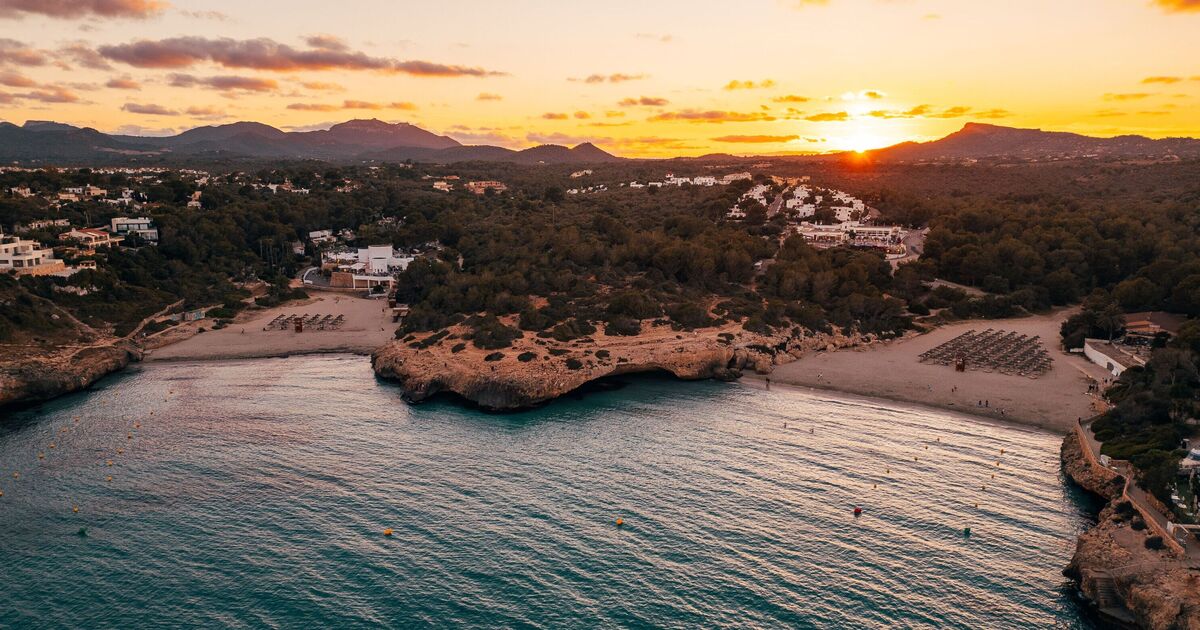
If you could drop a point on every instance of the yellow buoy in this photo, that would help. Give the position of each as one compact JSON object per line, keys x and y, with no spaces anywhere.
{"x":976,"y":505}
{"x":75,"y":509}
{"x":137,"y":425}
{"x":387,"y":532}
{"x":120,"y":451}
{"x":889,"y":471}
{"x":620,"y":522}
{"x":993,"y":475}
{"x":108,"y":478}
{"x":52,"y":445}
{"x":108,"y":463}
{"x":16,"y":475}
{"x":1001,"y":451}
{"x":874,"y":485}
{"x":1,"y":493}
{"x":128,"y":436}
{"x":41,"y":456}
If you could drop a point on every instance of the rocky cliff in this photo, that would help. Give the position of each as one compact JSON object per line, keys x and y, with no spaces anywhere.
{"x":1127,"y":582}
{"x":42,"y":377}
{"x":535,"y":370}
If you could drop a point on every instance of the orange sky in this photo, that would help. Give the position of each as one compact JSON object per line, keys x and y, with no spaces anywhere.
{"x":638,"y":78}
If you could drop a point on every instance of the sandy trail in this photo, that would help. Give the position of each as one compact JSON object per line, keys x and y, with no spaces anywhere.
{"x":893,"y":371}
{"x":368,"y":326}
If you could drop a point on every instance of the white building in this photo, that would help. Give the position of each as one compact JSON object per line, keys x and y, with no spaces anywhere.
{"x":1110,"y":356}
{"x":142,"y":226}
{"x":321,"y":236}
{"x":733,"y":177}
{"x":367,"y":267}
{"x":26,"y":257}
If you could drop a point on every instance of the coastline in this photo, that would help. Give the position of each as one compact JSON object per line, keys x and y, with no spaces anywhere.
{"x":891,"y":370}
{"x":1129,"y":584}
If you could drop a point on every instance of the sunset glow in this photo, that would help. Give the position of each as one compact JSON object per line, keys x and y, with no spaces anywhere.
{"x":638,"y":79}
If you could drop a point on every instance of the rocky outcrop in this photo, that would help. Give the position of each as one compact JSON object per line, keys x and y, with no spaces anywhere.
{"x":535,"y":370}
{"x":43,"y":377}
{"x":1129,"y":584}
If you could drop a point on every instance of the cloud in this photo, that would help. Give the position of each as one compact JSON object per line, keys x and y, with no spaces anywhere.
{"x":749,"y":85}
{"x":582,"y":115}
{"x":1131,"y":96}
{"x":1165,"y":80}
{"x":267,"y":54}
{"x":206,"y":15}
{"x":873,"y":94}
{"x":645,"y":101}
{"x":149,"y":109}
{"x":12,"y":78}
{"x":224,"y":83}
{"x":83,"y":55}
{"x":138,"y":130}
{"x":488,"y":96}
{"x":326,"y":42}
{"x":662,"y":39}
{"x":351,"y":104}
{"x":757,"y":139}
{"x":123,"y":83}
{"x":560,"y":138}
{"x":321,"y":85}
{"x":1178,"y":6}
{"x":828,"y":117}
{"x":48,"y":94}
{"x":486,"y":137}
{"x":211,"y":113}
{"x":927,"y":111}
{"x":864,"y":95}
{"x":711,"y":116}
{"x":17,"y":53}
{"x":73,"y":9}
{"x":609,"y":78}
{"x":800,"y":4}
{"x":790,"y":98}
{"x":554,"y":116}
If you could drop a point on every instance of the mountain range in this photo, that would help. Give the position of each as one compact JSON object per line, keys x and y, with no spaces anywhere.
{"x":45,"y":141}
{"x":58,"y":143}
{"x":982,"y":141}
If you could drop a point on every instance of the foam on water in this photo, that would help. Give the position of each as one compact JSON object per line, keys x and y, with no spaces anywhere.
{"x":257,"y":494}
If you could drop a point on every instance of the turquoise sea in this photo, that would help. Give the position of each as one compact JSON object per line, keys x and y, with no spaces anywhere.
{"x":255,"y":494}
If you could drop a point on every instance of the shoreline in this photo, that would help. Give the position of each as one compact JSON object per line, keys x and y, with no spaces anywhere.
{"x":758,"y":381}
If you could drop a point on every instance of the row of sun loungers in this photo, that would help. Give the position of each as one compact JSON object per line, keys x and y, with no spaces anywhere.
{"x":993,"y":350}
{"x":311,"y":322}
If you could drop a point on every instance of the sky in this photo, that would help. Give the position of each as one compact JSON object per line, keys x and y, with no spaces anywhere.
{"x":643,"y":78}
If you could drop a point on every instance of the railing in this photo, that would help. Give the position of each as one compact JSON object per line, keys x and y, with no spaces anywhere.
{"x":1149,"y":515}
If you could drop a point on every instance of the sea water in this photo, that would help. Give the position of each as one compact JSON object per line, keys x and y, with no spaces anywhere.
{"x":257,"y":493}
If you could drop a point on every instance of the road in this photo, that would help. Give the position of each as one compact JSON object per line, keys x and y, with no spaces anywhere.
{"x":914,"y":246}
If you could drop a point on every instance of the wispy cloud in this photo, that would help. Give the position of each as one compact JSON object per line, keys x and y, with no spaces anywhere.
{"x":757,"y":139}
{"x":351,"y":104}
{"x":618,"y":77}
{"x":20,"y":54}
{"x":554,"y":116}
{"x":828,"y":117}
{"x":1128,"y":96}
{"x":123,"y":83}
{"x":1178,"y":6}
{"x":791,"y":98}
{"x":74,"y":9}
{"x":488,"y":96}
{"x":224,"y":83}
{"x":149,"y":109}
{"x":749,"y":85}
{"x":644,"y":101}
{"x":267,"y":54}
{"x":664,"y":38}
{"x":711,"y":116}
{"x":1164,"y":80}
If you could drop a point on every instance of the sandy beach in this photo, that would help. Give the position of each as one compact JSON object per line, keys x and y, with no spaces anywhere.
{"x":893,"y":371}
{"x":368,"y":326}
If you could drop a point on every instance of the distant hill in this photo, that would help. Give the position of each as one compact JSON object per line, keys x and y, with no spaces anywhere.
{"x":44,"y":141}
{"x":982,"y":141}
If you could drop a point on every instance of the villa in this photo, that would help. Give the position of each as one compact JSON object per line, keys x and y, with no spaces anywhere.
{"x":26,"y":257}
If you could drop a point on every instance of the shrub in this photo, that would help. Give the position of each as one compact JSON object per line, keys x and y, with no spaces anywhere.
{"x":624,"y":326}
{"x":1155,"y":542}
{"x":458,"y":347}
{"x":574,"y":364}
{"x":495,"y":356}
{"x":602,"y":354}
{"x":526,"y":357}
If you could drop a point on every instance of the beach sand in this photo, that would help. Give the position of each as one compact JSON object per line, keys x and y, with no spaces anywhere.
{"x":368,"y":326}
{"x":893,"y":371}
